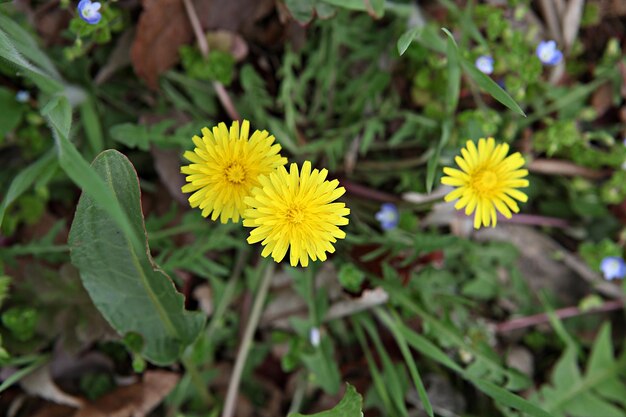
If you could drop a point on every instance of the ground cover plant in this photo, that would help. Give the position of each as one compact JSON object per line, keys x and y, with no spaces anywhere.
{"x":312,"y":207}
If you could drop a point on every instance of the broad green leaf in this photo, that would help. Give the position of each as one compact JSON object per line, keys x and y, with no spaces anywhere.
{"x":433,"y":162}
{"x":26,"y":178}
{"x":130,"y":291}
{"x":407,"y":38}
{"x":490,"y":86}
{"x":58,"y":113}
{"x":351,"y":405}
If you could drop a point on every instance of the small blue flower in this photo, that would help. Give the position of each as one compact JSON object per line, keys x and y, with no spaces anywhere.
{"x":484,"y":64}
{"x":22,"y":96}
{"x":315,"y":336}
{"x":388,"y":216}
{"x":88,"y":11}
{"x":548,"y":53}
{"x":613,"y":267}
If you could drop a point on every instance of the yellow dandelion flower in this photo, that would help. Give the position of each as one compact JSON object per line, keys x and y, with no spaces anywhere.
{"x":488,"y":180}
{"x":296,"y":212}
{"x":226,"y":166}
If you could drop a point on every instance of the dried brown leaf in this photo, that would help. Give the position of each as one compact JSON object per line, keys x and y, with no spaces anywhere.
{"x":602,"y":99}
{"x":39,"y":383}
{"x":164,"y":27}
{"x":136,"y":400}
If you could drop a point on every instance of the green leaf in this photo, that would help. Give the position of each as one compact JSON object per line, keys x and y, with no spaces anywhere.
{"x":509,"y":399}
{"x":130,"y":291}
{"x":433,"y":162}
{"x":373,"y":7}
{"x":59,"y":116}
{"x":394,"y":326}
{"x":26,"y":45}
{"x":92,"y":126}
{"x":9,"y":52}
{"x":454,"y":73}
{"x":486,"y":83}
{"x":323,"y":366}
{"x":351,"y":405}
{"x":407,"y":38}
{"x":12,"y":112}
{"x":26,"y":178}
{"x":301,"y":10}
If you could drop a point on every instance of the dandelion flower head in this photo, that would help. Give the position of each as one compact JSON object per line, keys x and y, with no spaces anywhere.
{"x":613,"y":267}
{"x":226,"y":166}
{"x":89,"y":11}
{"x":296,"y":211}
{"x":488,"y":180}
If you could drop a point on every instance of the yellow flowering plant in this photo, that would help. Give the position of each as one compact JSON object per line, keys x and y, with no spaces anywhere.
{"x":488,"y":180}
{"x":233,"y":176}
{"x":225,"y":166}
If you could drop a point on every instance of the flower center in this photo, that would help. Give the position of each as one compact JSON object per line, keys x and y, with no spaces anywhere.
{"x":235,"y":173}
{"x":611,"y":267}
{"x":295,"y":215}
{"x":485,"y":181}
{"x":89,"y":10}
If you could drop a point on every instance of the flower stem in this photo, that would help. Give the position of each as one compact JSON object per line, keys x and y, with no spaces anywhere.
{"x":246,"y":342}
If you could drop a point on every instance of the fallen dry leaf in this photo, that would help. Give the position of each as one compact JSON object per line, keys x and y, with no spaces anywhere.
{"x":167,"y":165}
{"x":39,"y":383}
{"x":227,"y":41}
{"x":602,"y":99}
{"x":164,"y":27}
{"x":135,"y":400}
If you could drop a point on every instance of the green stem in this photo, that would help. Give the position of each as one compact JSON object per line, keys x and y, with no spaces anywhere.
{"x":246,"y":342}
{"x":196,"y":379}
{"x":216,"y":317}
{"x":228,"y":293}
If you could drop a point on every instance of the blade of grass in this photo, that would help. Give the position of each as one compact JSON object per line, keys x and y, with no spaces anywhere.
{"x":21,"y":373}
{"x":433,"y":162}
{"x":392,"y":325}
{"x":454,"y":73}
{"x":392,"y":382}
{"x":379,"y":384}
{"x":485,"y":82}
{"x":92,"y":126}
